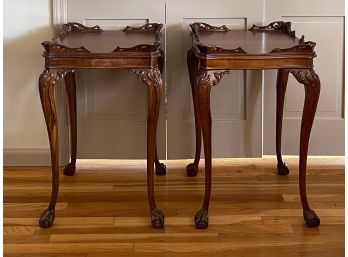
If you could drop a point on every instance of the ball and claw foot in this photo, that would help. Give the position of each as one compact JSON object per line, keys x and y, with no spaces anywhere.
{"x":201,"y":219}
{"x":161,"y":169}
{"x":69,"y":169}
{"x":192,"y":170}
{"x":311,"y":218}
{"x":47,"y":218}
{"x":157,"y":218}
{"x":283,"y":169}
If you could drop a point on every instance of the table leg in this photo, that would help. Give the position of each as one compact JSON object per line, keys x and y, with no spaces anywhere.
{"x":47,"y":81}
{"x":152,"y":77}
{"x":70,"y":85}
{"x":282,"y":80}
{"x":206,"y":79}
{"x":311,"y":83}
{"x":161,"y":168}
{"x":192,"y":63}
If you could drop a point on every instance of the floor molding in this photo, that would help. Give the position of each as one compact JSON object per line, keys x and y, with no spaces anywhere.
{"x":27,"y":157}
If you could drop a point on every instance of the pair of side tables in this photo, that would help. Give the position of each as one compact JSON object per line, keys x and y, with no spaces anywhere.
{"x":215,"y":51}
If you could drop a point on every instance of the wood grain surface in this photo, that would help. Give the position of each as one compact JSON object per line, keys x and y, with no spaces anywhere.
{"x":103,"y":211}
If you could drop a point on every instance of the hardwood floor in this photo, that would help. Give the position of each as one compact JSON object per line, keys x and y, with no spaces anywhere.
{"x":103,"y":211}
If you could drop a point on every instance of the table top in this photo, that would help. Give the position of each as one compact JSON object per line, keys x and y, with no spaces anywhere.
{"x":277,"y":38}
{"x":77,"y":39}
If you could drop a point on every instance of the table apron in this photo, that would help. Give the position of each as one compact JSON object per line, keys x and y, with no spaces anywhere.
{"x":256,"y":64}
{"x":95,"y":63}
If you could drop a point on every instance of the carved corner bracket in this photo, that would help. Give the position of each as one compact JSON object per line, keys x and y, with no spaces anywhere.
{"x":205,"y":27}
{"x":280,"y":26}
{"x":201,"y":26}
{"x":149,"y":76}
{"x":303,"y":47}
{"x":303,"y":42}
{"x":146,"y":27}
{"x":219,"y":50}
{"x":150,"y":27}
{"x":210,"y":78}
{"x":138,"y":48}
{"x":53,"y":47}
{"x":77,"y":27}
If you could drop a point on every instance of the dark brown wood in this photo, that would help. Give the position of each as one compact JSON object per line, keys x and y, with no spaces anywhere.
{"x":160,"y":168}
{"x":218,"y":49}
{"x":153,"y":79}
{"x":48,"y":80}
{"x":70,"y":85}
{"x":77,"y":47}
{"x":311,"y":83}
{"x":192,"y":64}
{"x":276,"y":26}
{"x":206,"y":80}
{"x":282,"y":80}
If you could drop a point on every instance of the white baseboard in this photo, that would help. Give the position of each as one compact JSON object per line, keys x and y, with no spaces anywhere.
{"x":27,"y":157}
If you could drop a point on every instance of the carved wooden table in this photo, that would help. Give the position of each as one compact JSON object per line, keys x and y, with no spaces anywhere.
{"x":79,"y":47}
{"x":215,"y":51}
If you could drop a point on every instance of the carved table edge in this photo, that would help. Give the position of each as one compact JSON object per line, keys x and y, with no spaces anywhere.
{"x":304,"y":47}
{"x":55,"y":49}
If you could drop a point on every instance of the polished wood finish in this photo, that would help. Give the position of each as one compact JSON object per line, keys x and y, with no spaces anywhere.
{"x":77,"y":46}
{"x":215,"y":51}
{"x":70,"y":85}
{"x":192,"y":169}
{"x":103,"y":211}
{"x":282,"y":80}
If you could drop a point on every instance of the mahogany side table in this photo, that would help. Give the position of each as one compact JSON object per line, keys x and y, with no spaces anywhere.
{"x":137,"y":49}
{"x":215,"y":51}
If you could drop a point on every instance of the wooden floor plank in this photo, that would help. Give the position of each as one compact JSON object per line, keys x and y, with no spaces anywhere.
{"x":102,"y":211}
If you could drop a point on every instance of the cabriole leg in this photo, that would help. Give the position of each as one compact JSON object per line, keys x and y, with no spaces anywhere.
{"x":282,"y":81}
{"x":152,"y":77}
{"x":206,"y":79}
{"x":70,"y":85}
{"x":192,"y":64}
{"x":48,"y":79}
{"x":311,"y":83}
{"x":161,"y":168}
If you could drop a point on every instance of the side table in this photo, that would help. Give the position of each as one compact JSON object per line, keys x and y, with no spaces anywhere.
{"x":215,"y":51}
{"x":79,"y":47}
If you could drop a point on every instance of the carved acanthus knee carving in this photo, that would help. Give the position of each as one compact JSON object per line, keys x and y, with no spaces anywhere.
{"x":210,"y":78}
{"x":48,"y":79}
{"x":306,"y":76}
{"x":149,"y":76}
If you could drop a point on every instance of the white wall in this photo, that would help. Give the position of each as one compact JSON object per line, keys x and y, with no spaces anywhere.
{"x":26,"y":24}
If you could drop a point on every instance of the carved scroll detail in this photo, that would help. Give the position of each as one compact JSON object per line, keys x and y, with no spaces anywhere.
{"x":308,"y":47}
{"x":201,"y":26}
{"x":149,"y":76}
{"x":303,"y":47}
{"x":210,"y":78}
{"x":154,"y":27}
{"x":281,"y":26}
{"x":77,"y":27}
{"x":139,"y":48}
{"x":204,"y":27}
{"x":219,"y":50}
{"x":306,"y":76}
{"x":146,"y":27}
{"x":58,"y":48}
{"x":303,"y":42}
